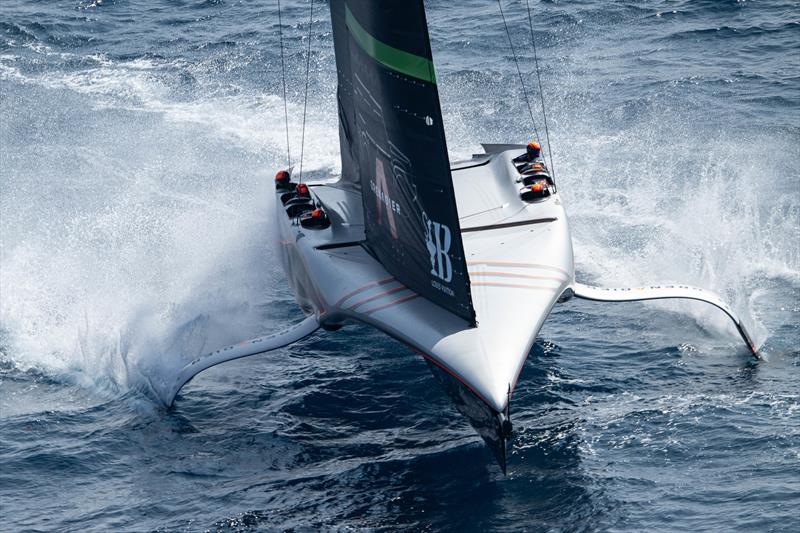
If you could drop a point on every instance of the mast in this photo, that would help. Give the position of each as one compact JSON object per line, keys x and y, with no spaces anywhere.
{"x":393,"y":147}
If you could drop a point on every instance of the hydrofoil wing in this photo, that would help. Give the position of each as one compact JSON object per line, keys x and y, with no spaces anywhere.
{"x":599,"y":294}
{"x":167,"y":392}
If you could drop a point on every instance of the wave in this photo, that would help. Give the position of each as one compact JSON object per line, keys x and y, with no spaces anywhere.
{"x":142,"y":229}
{"x":146,"y":217}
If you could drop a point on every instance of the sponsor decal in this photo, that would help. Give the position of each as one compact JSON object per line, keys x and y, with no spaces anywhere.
{"x":438,"y":239}
{"x":380,"y":189}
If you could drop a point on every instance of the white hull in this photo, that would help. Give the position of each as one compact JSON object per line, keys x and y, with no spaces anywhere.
{"x":520,"y":264}
{"x":483,"y":294}
{"x":517,"y":274}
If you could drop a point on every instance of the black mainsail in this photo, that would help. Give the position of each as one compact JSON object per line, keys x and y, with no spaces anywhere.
{"x":393,"y":147}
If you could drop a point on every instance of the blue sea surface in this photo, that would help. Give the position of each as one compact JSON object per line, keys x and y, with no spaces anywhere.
{"x":138,"y":142}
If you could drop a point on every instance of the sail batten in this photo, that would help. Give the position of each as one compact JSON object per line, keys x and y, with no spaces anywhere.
{"x":393,"y":147}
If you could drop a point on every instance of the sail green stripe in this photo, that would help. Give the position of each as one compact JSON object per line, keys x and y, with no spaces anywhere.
{"x":393,"y":58}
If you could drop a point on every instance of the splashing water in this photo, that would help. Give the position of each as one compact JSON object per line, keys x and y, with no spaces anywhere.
{"x":138,"y":141}
{"x":136,"y":233}
{"x":147,"y":216}
{"x":711,"y":212}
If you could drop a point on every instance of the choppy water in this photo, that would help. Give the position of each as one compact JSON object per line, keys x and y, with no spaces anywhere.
{"x":137,"y":144}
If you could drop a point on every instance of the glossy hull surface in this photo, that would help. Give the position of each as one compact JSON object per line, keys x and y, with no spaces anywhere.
{"x":519,"y":256}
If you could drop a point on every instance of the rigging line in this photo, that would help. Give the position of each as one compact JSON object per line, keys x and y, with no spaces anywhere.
{"x":541,"y":92}
{"x":519,"y":72}
{"x":283,"y":77}
{"x":305,"y":98}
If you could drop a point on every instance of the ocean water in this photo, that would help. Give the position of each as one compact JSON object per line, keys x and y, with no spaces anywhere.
{"x":138,"y":141}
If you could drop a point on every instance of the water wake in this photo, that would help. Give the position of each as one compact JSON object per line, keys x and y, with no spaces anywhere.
{"x":140,"y":236}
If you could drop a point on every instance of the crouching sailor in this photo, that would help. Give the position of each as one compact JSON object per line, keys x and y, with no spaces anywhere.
{"x":531,"y":159}
{"x":533,"y":173}
{"x":533,"y":152}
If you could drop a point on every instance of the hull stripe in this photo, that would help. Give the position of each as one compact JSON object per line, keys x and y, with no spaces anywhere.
{"x":513,"y":275}
{"x":509,"y":224}
{"x":514,"y":285}
{"x":522,"y":265}
{"x":363,"y":287}
{"x":377,"y":296}
{"x":394,"y":302}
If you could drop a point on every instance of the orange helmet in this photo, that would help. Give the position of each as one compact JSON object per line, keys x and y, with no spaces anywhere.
{"x":534,"y":149}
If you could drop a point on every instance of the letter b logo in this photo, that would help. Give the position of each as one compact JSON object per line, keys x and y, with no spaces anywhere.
{"x":439,"y":240}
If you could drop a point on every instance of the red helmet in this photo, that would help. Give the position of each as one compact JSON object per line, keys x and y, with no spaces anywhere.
{"x":302,"y":190}
{"x":283,"y":180}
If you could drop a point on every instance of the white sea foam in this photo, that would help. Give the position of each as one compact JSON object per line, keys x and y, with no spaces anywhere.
{"x":149,"y":243}
{"x":649,"y":207}
{"x":160,"y":246}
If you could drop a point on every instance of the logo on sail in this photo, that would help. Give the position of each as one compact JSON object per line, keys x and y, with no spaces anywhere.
{"x":438,"y":239}
{"x":380,"y":188}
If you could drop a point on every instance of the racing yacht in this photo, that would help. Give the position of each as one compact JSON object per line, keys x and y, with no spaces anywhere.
{"x":461,"y":261}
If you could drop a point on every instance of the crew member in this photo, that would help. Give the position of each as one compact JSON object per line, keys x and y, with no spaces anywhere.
{"x":531,"y":163}
{"x":283,"y":180}
{"x":533,"y":153}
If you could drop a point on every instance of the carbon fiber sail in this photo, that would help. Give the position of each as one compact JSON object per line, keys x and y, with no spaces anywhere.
{"x":393,"y":147}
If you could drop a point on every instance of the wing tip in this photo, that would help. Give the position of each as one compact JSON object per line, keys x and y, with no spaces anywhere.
{"x":588,"y":292}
